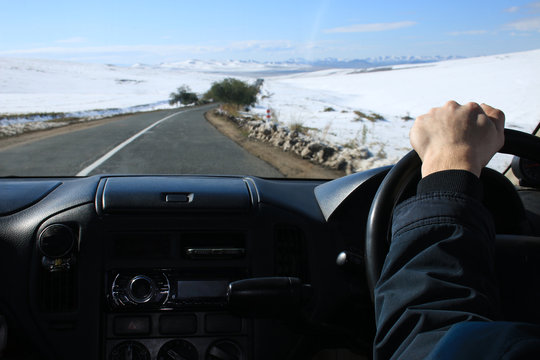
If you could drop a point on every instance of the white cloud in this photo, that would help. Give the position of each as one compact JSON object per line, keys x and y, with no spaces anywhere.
{"x":179,"y":50}
{"x":371,"y":27}
{"x":158,"y":53}
{"x":468,"y":32}
{"x":160,"y":49}
{"x":512,"y":9}
{"x":528,"y":24}
{"x":534,"y":5}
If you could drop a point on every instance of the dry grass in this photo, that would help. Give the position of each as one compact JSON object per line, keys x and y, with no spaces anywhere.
{"x":231,"y":109}
{"x":373,"y":117}
{"x":299,"y":127}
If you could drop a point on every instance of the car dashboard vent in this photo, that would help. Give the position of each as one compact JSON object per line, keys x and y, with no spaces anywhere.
{"x":58,"y":291}
{"x":58,"y":268}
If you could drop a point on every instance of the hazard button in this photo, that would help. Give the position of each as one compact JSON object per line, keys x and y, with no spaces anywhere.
{"x":132,"y":325}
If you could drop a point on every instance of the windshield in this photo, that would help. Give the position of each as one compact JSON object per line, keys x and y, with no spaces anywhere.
{"x":316,"y":89}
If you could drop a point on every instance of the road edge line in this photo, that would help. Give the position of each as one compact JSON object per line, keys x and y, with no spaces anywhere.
{"x":108,"y":155}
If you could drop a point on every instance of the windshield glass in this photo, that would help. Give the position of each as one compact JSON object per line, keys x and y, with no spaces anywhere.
{"x":314,"y":89}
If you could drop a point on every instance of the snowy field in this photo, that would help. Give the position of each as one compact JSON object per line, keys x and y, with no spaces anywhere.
{"x":39,"y":86}
{"x":510,"y":82}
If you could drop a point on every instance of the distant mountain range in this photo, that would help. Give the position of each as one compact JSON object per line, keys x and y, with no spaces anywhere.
{"x":378,"y":61}
{"x":300,"y":64}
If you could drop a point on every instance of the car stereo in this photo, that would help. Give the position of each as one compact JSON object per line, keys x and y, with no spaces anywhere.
{"x":167,"y":289}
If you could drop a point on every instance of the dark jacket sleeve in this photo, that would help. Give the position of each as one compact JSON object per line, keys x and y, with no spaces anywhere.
{"x":437,"y":297}
{"x":440,"y":268}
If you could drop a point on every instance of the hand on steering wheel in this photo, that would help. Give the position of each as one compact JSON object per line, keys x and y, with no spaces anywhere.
{"x":407,"y":169}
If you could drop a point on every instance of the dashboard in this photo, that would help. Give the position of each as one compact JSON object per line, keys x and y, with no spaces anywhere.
{"x":188,"y":267}
{"x":179,"y":267}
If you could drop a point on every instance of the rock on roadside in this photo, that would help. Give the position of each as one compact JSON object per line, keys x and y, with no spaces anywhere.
{"x":332,"y":156}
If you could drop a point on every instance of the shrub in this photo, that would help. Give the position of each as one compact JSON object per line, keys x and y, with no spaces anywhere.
{"x":359,"y":115}
{"x":299,"y":127}
{"x":407,"y":117}
{"x":258,"y":84}
{"x":184,"y":96}
{"x":351,"y":144}
{"x":233,"y":91}
{"x":373,"y":117}
{"x":230,"y":109}
{"x":329,"y":109}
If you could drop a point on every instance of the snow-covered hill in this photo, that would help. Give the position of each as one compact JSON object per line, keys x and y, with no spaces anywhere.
{"x":510,"y":82}
{"x":36,"y":86}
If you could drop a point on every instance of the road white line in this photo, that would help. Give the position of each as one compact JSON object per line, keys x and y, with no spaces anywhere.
{"x":107,"y":156}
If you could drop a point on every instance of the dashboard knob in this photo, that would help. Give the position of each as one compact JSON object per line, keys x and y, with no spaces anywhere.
{"x":178,"y":349}
{"x":141,"y":289}
{"x":129,"y":350}
{"x":350,"y":260}
{"x":224,"y":350}
{"x":56,"y":241}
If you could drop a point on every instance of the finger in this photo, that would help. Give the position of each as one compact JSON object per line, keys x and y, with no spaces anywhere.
{"x":452,"y":104}
{"x":472,"y":106}
{"x":493,"y":112}
{"x":470,"y":111}
{"x":415,"y":134}
{"x":496,"y":115}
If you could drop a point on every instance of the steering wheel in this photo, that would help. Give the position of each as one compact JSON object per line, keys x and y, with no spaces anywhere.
{"x":399,"y":179}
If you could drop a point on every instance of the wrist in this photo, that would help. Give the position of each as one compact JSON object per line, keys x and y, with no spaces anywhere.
{"x":454,"y":181}
{"x":453,"y":160}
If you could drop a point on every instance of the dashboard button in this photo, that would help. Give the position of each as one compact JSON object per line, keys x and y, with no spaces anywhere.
{"x":178,"y":324}
{"x":222,"y":323}
{"x":131,"y":325}
{"x":177,"y":198}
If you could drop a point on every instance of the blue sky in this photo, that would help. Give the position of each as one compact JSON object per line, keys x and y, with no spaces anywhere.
{"x":127,"y":32}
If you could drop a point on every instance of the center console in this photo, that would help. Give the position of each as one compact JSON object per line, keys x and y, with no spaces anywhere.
{"x":178,"y":312}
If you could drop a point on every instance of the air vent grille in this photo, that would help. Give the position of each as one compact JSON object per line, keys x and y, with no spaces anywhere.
{"x":290,"y":259}
{"x":58,"y":290}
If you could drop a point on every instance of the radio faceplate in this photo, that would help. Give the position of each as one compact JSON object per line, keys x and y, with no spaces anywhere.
{"x":144,"y":289}
{"x":153,"y":289}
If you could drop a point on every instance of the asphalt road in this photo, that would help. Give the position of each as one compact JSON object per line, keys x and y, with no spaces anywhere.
{"x":163,"y":142}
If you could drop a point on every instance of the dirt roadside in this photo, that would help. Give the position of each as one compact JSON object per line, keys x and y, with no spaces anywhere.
{"x":289,"y":164}
{"x":27,"y":137}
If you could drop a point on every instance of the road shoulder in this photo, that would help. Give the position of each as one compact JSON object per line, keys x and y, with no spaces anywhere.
{"x":289,"y":164}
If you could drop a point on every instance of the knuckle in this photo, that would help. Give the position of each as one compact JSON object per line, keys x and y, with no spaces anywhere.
{"x":472,"y":106}
{"x":451,"y":104}
{"x":499,"y":114}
